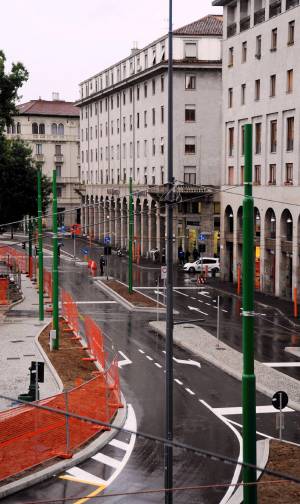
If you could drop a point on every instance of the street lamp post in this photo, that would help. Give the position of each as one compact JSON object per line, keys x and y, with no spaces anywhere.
{"x":55,"y":315}
{"x":40,"y":246}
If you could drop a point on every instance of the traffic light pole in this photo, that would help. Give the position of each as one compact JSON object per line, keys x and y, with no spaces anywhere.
{"x":40,"y":246}
{"x":248,"y":379}
{"x":55,"y":315}
{"x":30,"y":248}
{"x":130,"y":236}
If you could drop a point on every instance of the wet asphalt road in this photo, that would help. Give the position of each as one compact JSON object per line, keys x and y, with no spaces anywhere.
{"x":143,"y":386}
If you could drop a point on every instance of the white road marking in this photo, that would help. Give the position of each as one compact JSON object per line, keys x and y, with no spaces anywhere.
{"x":119,"y":444}
{"x":214,"y":300}
{"x":94,"y":302}
{"x":182,"y":293}
{"x":197,"y":309}
{"x":208,"y":304}
{"x":178,"y":381}
{"x":193,"y":297}
{"x":124,"y":362}
{"x":225,"y":311}
{"x":188,"y":362}
{"x":160,"y":293}
{"x":157,"y":365}
{"x":238,"y":410}
{"x":141,"y":351}
{"x":104,"y":459}
{"x":257,"y":432}
{"x":215,"y":307}
{"x":237,"y":471}
{"x":282,"y":364}
{"x":86,"y":476}
{"x":204,"y":293}
{"x":149,"y":358}
{"x":200,"y":301}
{"x":189,"y":391}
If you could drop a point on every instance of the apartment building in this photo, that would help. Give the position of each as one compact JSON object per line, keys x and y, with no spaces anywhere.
{"x":51,"y":128}
{"x":123,"y":133}
{"x":261,"y":66}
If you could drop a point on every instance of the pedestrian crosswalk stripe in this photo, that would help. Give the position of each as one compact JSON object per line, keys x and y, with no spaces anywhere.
{"x":100,"y":457}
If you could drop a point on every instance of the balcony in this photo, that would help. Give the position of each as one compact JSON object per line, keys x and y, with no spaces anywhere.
{"x":275,"y":8}
{"x":259,"y":16}
{"x":231,"y":30}
{"x":40,"y":158}
{"x":58,"y":158}
{"x":270,"y":244}
{"x":286,"y":246}
{"x":291,"y":3}
{"x":245,"y":23}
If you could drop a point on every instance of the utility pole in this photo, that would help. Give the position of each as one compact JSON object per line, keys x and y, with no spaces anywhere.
{"x":40,"y":246}
{"x":169,"y":252}
{"x":55,"y":316}
{"x":248,"y":379}
{"x":130,"y":236}
{"x":30,"y":248}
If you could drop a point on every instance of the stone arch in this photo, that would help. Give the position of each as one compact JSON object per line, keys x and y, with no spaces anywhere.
{"x":286,"y":254}
{"x":270,"y":252}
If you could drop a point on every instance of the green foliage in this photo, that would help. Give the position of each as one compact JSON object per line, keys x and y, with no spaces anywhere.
{"x":18,"y":182}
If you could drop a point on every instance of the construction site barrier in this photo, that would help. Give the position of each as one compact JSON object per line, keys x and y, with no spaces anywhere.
{"x":4,"y":283}
{"x":94,"y":339}
{"x":48,"y":283}
{"x":14,"y":258}
{"x":70,"y":312}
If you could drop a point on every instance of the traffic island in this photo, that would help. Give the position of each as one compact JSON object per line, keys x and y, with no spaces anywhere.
{"x":135,"y":301}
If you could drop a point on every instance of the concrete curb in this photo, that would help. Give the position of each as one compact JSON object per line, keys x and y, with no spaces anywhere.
{"x":79,"y":457}
{"x":265,"y":377}
{"x":47,"y":360}
{"x":126,"y":303}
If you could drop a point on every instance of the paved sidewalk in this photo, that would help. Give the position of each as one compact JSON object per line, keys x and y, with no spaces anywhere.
{"x":18,"y":329}
{"x":203,"y":344}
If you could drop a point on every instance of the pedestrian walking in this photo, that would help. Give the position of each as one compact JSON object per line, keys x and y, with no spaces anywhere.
{"x":187,"y":255}
{"x":101,"y":264}
{"x":181,"y":257}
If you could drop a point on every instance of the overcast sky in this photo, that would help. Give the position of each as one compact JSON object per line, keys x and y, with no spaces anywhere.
{"x":62,"y":42}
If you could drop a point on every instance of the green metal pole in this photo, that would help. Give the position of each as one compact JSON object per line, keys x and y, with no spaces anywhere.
{"x":248,"y":379}
{"x":55,"y":319}
{"x":30,"y":248}
{"x":40,"y":246}
{"x":130,"y":236}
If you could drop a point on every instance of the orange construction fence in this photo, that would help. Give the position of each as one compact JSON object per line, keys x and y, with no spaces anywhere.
{"x":30,"y":436}
{"x":94,"y":339}
{"x":48,"y":283}
{"x":70,"y":312}
{"x":13,"y":257}
{"x":4,"y":283}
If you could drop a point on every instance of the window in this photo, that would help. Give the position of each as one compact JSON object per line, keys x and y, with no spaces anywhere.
{"x":189,"y":174}
{"x":243,"y":140}
{"x":145,"y":148}
{"x":274,"y":39}
{"x":258,"y":47}
{"x":257,"y":171}
{"x":59,"y":192}
{"x":190,"y":113}
{"x":190,"y":81}
{"x":138,"y":120}
{"x":61,"y":129}
{"x":111,"y":102}
{"x":290,"y":134}
{"x":146,"y":60}
{"x":153,"y":146}
{"x":39,"y":149}
{"x":96,"y":131}
{"x":257,"y":90}
{"x":118,"y":126}
{"x":243,"y":94}
{"x":96,"y":108}
{"x":272,"y":85}
{"x":230,"y":175}
{"x":272,"y":174}
{"x":289,"y":173}
{"x":273,"y":129}
{"x":58,"y":150}
{"x":153,"y":116}
{"x":112,"y":127}
{"x":124,"y":123}
{"x":242,"y":175}
{"x":118,"y":100}
{"x":291,"y":33}
{"x":190,"y":50}
{"x":153,"y":180}
{"x":42,"y":129}
{"x":145,"y":118}
{"x":35,"y":129}
{"x":106,"y":129}
{"x":138,"y":93}
{"x":86,"y":134}
{"x":91,"y":155}
{"x":145,"y":90}
{"x":153,"y":56}
{"x":162,"y":83}
{"x":162,"y":181}
{"x":230,"y":56}
{"x":162,"y":114}
{"x":124,"y":150}
{"x":230,"y":97}
{"x":289,"y":81}
{"x":230,"y":141}
{"x":124,"y":98}
{"x":130,"y":122}
{"x":244,"y":52}
{"x":53,"y":129}
{"x":131,"y":150}
{"x":91,"y":134}
{"x":130,"y":95}
{"x":162,"y":145}
{"x":138,"y":149}
{"x":118,"y":152}
{"x":163,"y":49}
{"x":257,"y":138}
{"x":190,"y":145}
{"x":153,"y":86}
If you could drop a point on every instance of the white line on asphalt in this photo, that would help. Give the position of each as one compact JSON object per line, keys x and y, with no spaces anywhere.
{"x":119,"y":444}
{"x":104,"y":459}
{"x":160,"y":293}
{"x":257,"y":432}
{"x":125,"y":360}
{"x":238,"y":410}
{"x":200,"y":301}
{"x":141,"y":351}
{"x":204,"y":293}
{"x":86,"y":476}
{"x":208,"y":304}
{"x":237,"y":471}
{"x":95,"y":302}
{"x":193,"y":297}
{"x":215,"y":307}
{"x":157,"y":365}
{"x":148,"y":357}
{"x":189,"y":391}
{"x":182,"y":293}
{"x":178,"y":381}
{"x":197,"y":309}
{"x":214,"y":300}
{"x":225,"y":311}
{"x":282,"y":364}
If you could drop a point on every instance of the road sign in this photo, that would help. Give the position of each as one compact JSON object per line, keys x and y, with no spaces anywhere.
{"x":107,"y":240}
{"x":201,"y":237}
{"x":40,"y":370}
{"x":85,"y":251}
{"x":163,"y":272}
{"x":280,"y":400}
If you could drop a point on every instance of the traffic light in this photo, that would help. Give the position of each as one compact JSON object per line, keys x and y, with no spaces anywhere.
{"x":24,"y":245}
{"x":202,"y":247}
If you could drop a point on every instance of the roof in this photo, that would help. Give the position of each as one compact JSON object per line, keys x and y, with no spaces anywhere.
{"x":49,"y":108}
{"x":209,"y":25}
{"x":221,"y":3}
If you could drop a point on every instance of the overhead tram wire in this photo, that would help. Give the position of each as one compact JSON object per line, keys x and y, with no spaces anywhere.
{"x":160,"y":440}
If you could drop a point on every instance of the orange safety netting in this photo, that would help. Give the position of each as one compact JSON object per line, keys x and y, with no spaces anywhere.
{"x":94,"y":339}
{"x":29,"y":436}
{"x":4,"y":282}
{"x":48,"y":283}
{"x":17,"y":258}
{"x":70,"y":312}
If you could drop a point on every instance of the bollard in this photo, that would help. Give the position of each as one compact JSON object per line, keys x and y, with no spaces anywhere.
{"x":295,"y":303}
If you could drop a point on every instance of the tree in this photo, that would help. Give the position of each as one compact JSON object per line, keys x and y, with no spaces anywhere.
{"x":18,"y":182}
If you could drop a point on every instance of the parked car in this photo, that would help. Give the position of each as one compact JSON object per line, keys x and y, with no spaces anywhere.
{"x":212,"y":264}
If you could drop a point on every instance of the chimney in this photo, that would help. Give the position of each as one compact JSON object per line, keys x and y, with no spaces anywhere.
{"x":134,"y":49}
{"x":55,"y":96}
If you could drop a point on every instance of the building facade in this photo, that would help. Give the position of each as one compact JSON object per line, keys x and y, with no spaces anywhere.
{"x":51,"y":128}
{"x":123,"y":134}
{"x":260,"y":69}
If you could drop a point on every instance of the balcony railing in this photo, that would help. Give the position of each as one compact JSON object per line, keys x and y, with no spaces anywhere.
{"x":275,"y":8}
{"x":231,"y":30}
{"x":291,"y":3}
{"x":245,"y":23}
{"x":58,"y":158}
{"x":287,"y":246}
{"x":259,"y":16}
{"x":39,"y":158}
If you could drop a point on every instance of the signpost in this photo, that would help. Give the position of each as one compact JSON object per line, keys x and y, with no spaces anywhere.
{"x":107,"y":241}
{"x":280,"y":401}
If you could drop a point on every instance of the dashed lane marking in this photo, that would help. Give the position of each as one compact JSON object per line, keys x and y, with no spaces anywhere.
{"x":282,"y":364}
{"x":82,"y":475}
{"x":157,"y":365}
{"x":193,"y":297}
{"x":119,"y":444}
{"x":189,"y":391}
{"x":182,"y":293}
{"x":141,"y":351}
{"x":104,"y":459}
{"x":225,"y":311}
{"x":149,"y":358}
{"x":178,"y":381}
{"x":208,"y":304}
{"x":239,"y":411}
